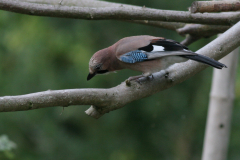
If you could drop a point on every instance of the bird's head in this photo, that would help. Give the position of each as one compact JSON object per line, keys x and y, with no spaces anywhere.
{"x":99,"y":63}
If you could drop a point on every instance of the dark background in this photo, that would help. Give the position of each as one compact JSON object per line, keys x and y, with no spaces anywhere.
{"x":41,"y":53}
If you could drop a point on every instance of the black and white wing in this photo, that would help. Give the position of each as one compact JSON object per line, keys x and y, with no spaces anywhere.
{"x":159,"y":48}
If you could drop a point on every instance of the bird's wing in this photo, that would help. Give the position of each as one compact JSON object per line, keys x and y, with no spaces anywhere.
{"x":155,"y":49}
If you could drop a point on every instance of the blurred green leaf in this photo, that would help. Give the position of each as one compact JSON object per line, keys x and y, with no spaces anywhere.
{"x":6,"y":144}
{"x":6,"y":147}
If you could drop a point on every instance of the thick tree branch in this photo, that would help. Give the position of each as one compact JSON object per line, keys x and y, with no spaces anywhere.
{"x":114,"y":98}
{"x":103,"y":4}
{"x":80,"y":3}
{"x":214,"y":6}
{"x":196,"y":30}
{"x":117,"y":13}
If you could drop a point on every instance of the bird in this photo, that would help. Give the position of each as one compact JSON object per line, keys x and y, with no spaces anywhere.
{"x":144,"y":53}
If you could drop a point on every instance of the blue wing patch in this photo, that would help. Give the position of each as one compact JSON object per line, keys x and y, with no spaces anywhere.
{"x":134,"y":56}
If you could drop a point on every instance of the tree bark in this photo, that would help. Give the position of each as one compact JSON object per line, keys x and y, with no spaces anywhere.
{"x":214,"y":6}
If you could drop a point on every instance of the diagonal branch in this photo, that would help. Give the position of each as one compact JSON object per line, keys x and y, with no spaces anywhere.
{"x":117,"y":13}
{"x":114,"y":98}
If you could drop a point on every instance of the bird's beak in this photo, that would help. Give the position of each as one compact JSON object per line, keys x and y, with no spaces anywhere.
{"x":90,"y":76}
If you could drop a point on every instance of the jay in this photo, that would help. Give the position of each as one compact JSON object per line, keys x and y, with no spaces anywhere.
{"x":147,"y":54}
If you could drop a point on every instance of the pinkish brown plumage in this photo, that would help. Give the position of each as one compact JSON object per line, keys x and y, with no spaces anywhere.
{"x":147,"y":54}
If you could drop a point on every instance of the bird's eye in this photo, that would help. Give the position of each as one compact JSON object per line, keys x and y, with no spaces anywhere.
{"x":98,"y":67}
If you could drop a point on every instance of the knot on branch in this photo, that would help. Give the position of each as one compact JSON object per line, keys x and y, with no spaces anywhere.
{"x":94,"y":112}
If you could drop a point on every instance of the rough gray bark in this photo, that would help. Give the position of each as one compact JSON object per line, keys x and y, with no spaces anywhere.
{"x":106,"y":100}
{"x":117,"y":13}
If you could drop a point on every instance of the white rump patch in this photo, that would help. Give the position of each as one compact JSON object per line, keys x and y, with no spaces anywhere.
{"x":157,"y":48}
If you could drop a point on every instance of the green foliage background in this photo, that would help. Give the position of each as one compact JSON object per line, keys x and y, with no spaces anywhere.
{"x":41,"y":53}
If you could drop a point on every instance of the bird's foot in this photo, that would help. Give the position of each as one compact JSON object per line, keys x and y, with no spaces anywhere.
{"x":136,"y":78}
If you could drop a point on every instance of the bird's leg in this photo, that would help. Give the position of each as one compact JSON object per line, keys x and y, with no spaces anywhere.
{"x":147,"y":75}
{"x":140,"y":76}
{"x":136,"y":78}
{"x":133,"y":78}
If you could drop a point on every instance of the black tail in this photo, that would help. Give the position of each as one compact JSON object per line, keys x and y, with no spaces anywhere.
{"x":206,"y":60}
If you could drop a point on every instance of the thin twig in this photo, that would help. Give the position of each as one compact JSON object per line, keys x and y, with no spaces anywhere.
{"x":200,"y":30}
{"x":189,"y":39}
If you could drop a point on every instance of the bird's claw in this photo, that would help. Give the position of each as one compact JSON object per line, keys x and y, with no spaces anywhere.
{"x":136,"y":78}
